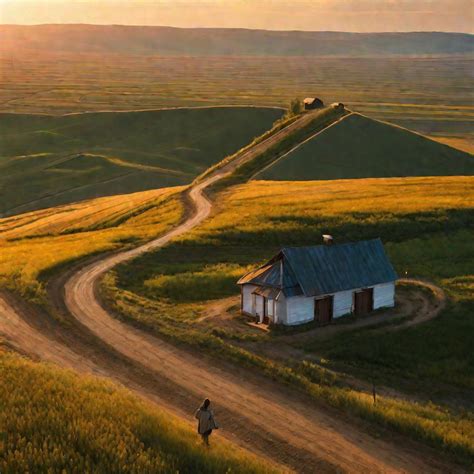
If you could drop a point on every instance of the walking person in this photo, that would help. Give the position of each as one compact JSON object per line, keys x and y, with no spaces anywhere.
{"x":206,"y":421}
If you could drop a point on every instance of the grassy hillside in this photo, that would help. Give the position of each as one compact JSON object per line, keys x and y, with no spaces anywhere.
{"x":218,"y":42}
{"x":426,"y":224}
{"x":53,"y":420}
{"x":50,"y":160}
{"x":429,"y":94}
{"x":35,"y":243}
{"x":315,"y":122}
{"x":359,"y":147}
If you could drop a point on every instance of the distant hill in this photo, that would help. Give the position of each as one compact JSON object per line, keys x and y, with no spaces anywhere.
{"x":217,"y":42}
{"x":360,"y":147}
{"x":50,"y":160}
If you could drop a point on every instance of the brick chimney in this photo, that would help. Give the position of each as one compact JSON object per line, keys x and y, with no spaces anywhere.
{"x":328,"y":239}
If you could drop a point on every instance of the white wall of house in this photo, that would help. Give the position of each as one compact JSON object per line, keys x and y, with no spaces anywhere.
{"x":259,"y":306}
{"x":247,"y":299}
{"x":270,"y":307}
{"x":280,"y":309}
{"x":299,"y":310}
{"x":384,"y":295}
{"x":253,"y":304}
{"x":342,"y":303}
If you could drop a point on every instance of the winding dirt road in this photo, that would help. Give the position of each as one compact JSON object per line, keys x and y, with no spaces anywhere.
{"x":256,"y":413}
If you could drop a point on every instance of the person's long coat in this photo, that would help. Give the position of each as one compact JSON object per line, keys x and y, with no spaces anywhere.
{"x":206,"y":420}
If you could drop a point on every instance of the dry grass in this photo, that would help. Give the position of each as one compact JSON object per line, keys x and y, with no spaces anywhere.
{"x":461,"y":143}
{"x":54,"y":420}
{"x":37,"y":242}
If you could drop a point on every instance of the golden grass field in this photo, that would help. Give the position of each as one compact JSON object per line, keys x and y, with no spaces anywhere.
{"x":426,"y":233}
{"x":38,"y":241}
{"x":59,"y":421}
{"x":263,"y":206}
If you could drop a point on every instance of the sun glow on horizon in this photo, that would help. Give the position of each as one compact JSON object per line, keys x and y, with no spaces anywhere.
{"x":341,"y":15}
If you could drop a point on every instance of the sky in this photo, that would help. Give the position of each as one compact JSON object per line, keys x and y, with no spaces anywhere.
{"x":312,"y":15}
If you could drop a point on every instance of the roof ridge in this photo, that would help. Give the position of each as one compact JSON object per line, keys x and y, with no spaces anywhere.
{"x":295,"y":273}
{"x":357,"y":242}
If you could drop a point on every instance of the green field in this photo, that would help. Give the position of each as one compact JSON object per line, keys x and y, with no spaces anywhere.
{"x":315,"y":122}
{"x":431,"y":95}
{"x":427,"y":234}
{"x":359,"y":147}
{"x":54,"y":420}
{"x":50,"y":160}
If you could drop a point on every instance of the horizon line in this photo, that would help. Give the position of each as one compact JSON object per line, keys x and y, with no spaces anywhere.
{"x":233,"y":28}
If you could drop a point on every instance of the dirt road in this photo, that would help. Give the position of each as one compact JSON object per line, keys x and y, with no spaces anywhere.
{"x":261,"y":415}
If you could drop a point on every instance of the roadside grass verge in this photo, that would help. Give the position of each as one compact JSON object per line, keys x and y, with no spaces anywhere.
{"x":53,"y":420}
{"x":277,"y":126}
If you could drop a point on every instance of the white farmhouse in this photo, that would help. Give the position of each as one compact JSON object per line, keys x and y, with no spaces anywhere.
{"x":324,"y":282}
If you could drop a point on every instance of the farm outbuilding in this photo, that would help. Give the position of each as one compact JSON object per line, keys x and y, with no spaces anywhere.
{"x":311,"y":103}
{"x":322,"y":283}
{"x":338,"y":105}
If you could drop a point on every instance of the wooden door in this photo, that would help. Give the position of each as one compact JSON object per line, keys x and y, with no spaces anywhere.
{"x":323,"y":310}
{"x":364,"y":301}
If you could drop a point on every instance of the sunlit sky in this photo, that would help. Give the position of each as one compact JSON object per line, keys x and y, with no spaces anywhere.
{"x":342,"y":15}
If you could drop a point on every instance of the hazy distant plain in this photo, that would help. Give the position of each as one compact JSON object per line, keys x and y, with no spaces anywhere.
{"x":430,"y":95}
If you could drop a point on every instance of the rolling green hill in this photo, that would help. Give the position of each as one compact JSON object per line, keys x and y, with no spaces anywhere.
{"x":359,"y":147}
{"x":50,"y":160}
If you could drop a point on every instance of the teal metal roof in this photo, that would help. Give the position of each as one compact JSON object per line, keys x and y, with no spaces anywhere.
{"x":325,"y":269}
{"x":270,"y":275}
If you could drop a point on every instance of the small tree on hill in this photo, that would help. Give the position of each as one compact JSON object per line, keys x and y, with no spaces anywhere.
{"x":295,"y":108}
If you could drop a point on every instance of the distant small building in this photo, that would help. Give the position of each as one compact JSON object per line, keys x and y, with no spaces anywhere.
{"x":322,"y":283}
{"x":311,"y":103}
{"x":338,"y":105}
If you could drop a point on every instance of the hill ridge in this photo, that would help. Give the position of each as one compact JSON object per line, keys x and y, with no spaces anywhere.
{"x":359,"y":146}
{"x":299,"y":144}
{"x":164,"y":40}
